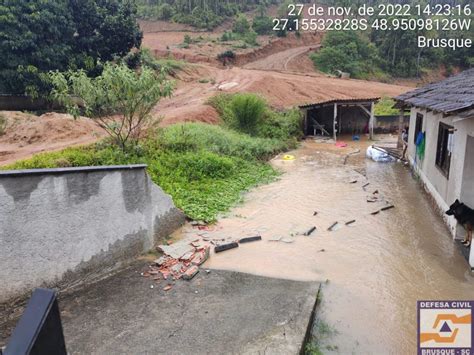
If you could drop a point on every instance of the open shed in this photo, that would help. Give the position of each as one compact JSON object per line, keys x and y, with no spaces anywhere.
{"x":339,"y":116}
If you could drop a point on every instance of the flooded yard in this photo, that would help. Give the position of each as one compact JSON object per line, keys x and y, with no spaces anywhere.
{"x":373,"y":270}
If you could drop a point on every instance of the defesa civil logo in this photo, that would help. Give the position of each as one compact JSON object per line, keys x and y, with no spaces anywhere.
{"x":445,"y":327}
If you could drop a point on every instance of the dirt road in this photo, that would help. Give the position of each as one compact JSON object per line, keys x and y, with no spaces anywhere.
{"x":293,"y":59}
{"x":281,"y":89}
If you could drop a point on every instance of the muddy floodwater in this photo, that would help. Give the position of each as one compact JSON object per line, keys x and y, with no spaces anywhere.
{"x":372,"y":271}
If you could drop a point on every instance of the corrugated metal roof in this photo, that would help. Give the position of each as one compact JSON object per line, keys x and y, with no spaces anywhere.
{"x":340,"y":101}
{"x":455,"y":93}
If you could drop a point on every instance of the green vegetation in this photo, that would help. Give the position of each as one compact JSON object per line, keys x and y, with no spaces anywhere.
{"x":206,"y":14}
{"x":38,"y":36}
{"x":226,"y":56}
{"x":144,"y":58}
{"x":205,"y":168}
{"x":396,"y":51}
{"x":385,"y":107}
{"x":119,"y":100}
{"x":347,"y":51}
{"x":251,"y":114}
{"x":262,"y":24}
{"x":247,"y":112}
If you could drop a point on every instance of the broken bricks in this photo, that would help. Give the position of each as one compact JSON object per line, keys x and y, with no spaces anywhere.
{"x":190,"y":273}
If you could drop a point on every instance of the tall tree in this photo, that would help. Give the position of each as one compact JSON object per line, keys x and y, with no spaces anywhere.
{"x":38,"y":36}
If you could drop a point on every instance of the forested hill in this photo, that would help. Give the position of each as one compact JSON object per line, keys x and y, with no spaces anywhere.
{"x":199,"y":13}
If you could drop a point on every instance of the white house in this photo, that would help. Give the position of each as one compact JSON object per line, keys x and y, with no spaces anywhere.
{"x":444,"y":112}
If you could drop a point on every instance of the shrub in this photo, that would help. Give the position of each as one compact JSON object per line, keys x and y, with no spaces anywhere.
{"x":165,"y":12}
{"x":262,"y":25}
{"x":117,"y":91}
{"x":247,"y":112}
{"x":251,"y":38}
{"x":187,"y":39}
{"x":241,"y":24}
{"x":225,"y":57}
{"x":385,"y":107}
{"x":281,"y":125}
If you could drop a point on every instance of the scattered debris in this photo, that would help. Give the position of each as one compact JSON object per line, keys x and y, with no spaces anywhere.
{"x":353,"y":181}
{"x":321,"y":250}
{"x":287,"y":239}
{"x":190,"y":273}
{"x":181,"y":260}
{"x":176,"y":250}
{"x":335,"y":226}
{"x":311,"y":230}
{"x":375,"y":212}
{"x":167,"y":288}
{"x":375,"y":192}
{"x":364,"y":186}
{"x":250,"y":239}
{"x":288,"y":157}
{"x":387,"y":208}
{"x":224,"y":247}
{"x":372,"y":198}
{"x":315,"y":213}
{"x":201,"y":256}
{"x":350,"y":222}
{"x":276,"y":238}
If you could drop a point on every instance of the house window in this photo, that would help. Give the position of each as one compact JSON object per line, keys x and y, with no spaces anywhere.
{"x":418,"y":126}
{"x":445,"y":148}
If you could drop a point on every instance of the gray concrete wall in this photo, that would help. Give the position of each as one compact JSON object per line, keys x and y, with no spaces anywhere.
{"x":460,"y":183}
{"x":60,"y":227}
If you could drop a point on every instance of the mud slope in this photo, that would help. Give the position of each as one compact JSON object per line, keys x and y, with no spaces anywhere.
{"x":293,"y":59}
{"x":282,"y":90}
{"x":27,"y":134}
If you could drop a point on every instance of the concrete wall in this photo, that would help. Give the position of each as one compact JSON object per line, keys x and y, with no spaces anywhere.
{"x":444,"y":190}
{"x":59,"y":227}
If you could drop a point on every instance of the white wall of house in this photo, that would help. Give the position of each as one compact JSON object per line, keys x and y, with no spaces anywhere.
{"x":460,"y":182}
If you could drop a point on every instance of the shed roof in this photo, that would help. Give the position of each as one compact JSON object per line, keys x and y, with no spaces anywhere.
{"x":340,"y":102}
{"x":448,"y":96}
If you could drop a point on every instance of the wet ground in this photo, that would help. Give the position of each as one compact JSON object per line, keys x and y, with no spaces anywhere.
{"x":375,"y":269}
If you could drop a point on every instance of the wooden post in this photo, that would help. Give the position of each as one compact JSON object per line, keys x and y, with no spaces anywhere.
{"x":371,"y":122}
{"x":334,"y":122}
{"x":401,"y":124}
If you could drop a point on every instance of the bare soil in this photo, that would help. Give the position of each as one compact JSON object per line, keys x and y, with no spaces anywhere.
{"x":27,"y":134}
{"x":279,"y":70}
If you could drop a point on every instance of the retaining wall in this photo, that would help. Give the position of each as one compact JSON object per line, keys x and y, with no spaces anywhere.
{"x":61,"y":227}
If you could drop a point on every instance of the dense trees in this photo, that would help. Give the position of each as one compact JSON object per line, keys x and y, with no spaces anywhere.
{"x":347,"y":51}
{"x":397,"y":50}
{"x":38,"y":36}
{"x":199,"y":13}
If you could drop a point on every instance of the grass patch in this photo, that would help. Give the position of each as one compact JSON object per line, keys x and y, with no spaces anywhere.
{"x":385,"y":107}
{"x":204,"y":168}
